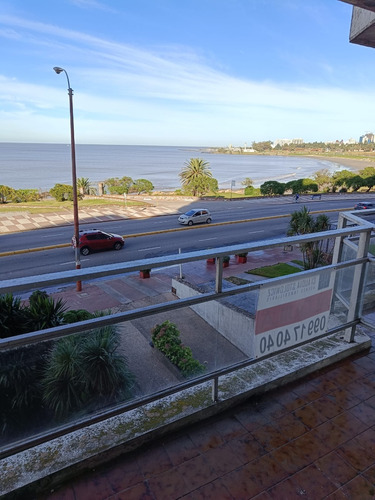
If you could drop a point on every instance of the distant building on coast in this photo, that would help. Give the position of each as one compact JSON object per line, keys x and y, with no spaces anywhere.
{"x":286,"y":142}
{"x":367,"y":138}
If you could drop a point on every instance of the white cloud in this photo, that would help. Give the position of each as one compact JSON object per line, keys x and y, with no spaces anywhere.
{"x":168,"y":95}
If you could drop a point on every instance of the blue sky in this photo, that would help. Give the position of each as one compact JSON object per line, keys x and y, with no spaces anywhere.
{"x":173,"y":72}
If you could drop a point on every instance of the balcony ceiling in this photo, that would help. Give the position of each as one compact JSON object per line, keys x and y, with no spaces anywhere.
{"x":362,"y":29}
{"x":363,"y":4}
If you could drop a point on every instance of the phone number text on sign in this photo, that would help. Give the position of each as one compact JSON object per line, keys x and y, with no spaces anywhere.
{"x":282,"y":338}
{"x":290,"y":313}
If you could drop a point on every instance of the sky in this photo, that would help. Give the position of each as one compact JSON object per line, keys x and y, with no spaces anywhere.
{"x":183,"y":73}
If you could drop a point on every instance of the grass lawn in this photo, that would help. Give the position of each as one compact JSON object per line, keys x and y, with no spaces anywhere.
{"x":47,"y":206}
{"x":298,"y":262}
{"x":274,"y":271}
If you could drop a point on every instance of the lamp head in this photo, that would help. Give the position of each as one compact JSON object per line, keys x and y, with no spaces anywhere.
{"x":58,"y":70}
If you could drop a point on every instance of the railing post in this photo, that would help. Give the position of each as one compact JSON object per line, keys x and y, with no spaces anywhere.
{"x":337,"y":250}
{"x":219,"y":275}
{"x":356,"y":296}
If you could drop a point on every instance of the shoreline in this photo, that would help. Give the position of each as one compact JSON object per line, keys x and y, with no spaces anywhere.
{"x":353,"y":163}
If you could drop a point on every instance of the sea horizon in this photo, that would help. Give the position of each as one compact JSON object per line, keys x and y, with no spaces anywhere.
{"x":42,"y":165}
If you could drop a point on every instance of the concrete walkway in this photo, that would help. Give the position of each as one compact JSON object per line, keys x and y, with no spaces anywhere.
{"x":11,"y":222}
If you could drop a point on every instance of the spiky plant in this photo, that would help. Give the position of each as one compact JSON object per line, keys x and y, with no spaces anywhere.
{"x":105,"y":370}
{"x":13,"y":316}
{"x":45,"y":312}
{"x":63,"y":386}
{"x":302,"y":222}
{"x":20,"y":389}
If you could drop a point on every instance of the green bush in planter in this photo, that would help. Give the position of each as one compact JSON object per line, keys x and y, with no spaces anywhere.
{"x":166,"y":338}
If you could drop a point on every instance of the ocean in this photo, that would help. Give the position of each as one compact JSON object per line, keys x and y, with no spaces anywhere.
{"x":41,"y":166}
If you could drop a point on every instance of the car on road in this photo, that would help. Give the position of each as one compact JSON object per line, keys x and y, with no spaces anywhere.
{"x":195,"y":216}
{"x":94,"y":240}
{"x":363,"y":205}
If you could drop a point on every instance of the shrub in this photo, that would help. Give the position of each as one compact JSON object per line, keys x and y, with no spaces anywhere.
{"x":76,"y":315}
{"x":25,"y":195}
{"x":166,"y":338}
{"x":62,"y":192}
{"x":251,"y":191}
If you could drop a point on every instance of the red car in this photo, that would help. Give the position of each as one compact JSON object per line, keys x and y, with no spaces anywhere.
{"x":363,"y":205}
{"x":94,"y":240}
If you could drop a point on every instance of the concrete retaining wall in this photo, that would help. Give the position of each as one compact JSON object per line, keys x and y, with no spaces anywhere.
{"x":234,"y":325}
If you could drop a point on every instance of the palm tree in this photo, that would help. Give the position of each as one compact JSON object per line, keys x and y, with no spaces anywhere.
{"x":83,"y":184}
{"x":196,"y":176}
{"x":302,"y":222}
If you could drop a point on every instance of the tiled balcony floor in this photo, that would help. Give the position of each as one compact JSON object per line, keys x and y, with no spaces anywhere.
{"x":312,"y":439}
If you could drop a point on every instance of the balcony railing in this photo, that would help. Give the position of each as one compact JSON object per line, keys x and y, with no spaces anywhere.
{"x":324,"y":301}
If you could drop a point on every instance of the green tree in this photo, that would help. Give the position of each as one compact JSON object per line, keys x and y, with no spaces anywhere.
{"x":355,"y":182}
{"x":196,"y":177}
{"x":119,"y":186}
{"x":323,"y":178}
{"x":271,"y":188}
{"x":302,"y":222}
{"x":367,"y":172}
{"x":142,"y":186}
{"x":302,"y":186}
{"x":247,"y":182}
{"x":262,"y":146}
{"x":369,"y":182}
{"x":62,"y":192}
{"x":6,"y":193}
{"x":342,"y":178}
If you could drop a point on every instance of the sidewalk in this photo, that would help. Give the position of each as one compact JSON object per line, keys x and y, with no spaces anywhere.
{"x":22,"y":221}
{"x":14,"y":222}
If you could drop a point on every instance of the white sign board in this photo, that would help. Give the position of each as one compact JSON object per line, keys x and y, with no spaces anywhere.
{"x":291,"y":313}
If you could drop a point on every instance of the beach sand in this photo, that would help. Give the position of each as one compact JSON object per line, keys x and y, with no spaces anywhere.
{"x":352,"y":163}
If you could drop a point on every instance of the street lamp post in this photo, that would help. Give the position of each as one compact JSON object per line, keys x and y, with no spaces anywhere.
{"x":59,"y":70}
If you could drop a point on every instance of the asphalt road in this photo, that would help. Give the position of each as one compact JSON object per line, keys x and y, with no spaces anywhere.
{"x":229,"y":231}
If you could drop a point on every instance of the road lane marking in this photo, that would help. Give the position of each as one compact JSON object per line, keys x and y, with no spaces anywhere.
{"x":253,"y":232}
{"x":150,"y":248}
{"x":208,"y":239}
{"x":71,"y":262}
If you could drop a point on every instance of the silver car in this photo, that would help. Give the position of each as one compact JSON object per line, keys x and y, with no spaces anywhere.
{"x":195,"y":216}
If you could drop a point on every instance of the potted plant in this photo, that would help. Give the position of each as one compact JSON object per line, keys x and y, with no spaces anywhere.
{"x":226,"y":260}
{"x":242,"y":258}
{"x":144,"y":273}
{"x":211,"y":260}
